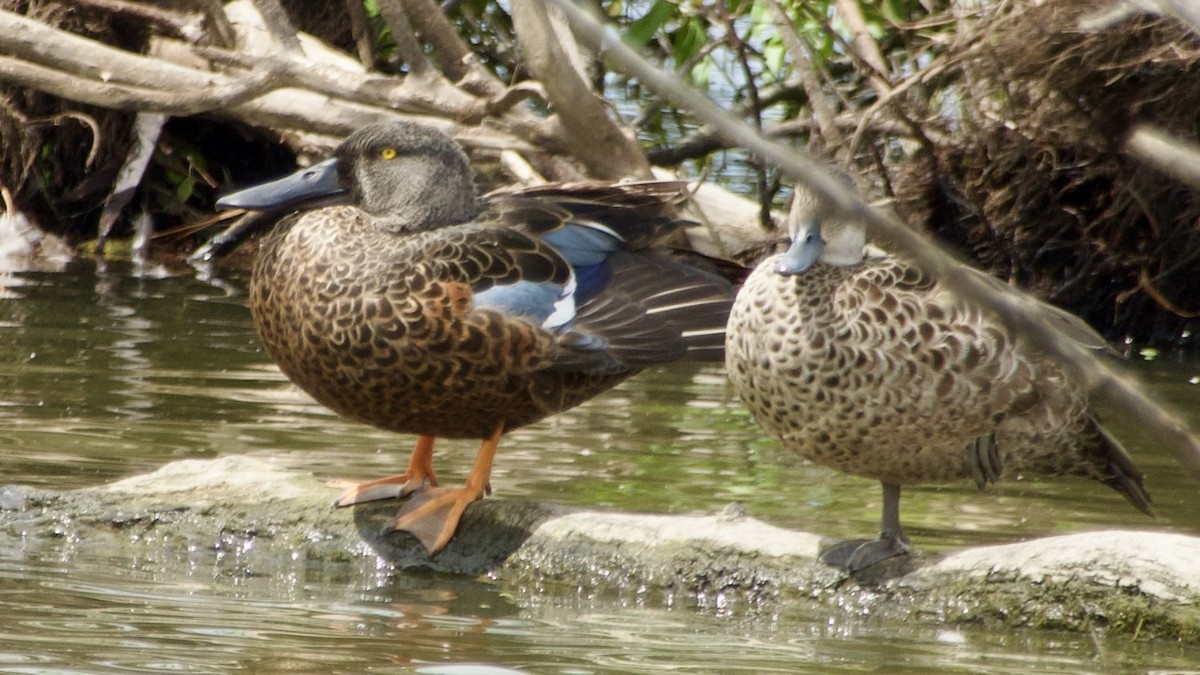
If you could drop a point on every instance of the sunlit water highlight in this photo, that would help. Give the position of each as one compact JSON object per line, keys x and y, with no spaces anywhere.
{"x":109,"y":375}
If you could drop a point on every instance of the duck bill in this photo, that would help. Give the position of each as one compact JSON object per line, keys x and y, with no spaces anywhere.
{"x":801,"y":255}
{"x":316,"y":185}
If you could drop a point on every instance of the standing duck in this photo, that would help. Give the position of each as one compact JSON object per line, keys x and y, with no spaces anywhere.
{"x":406,"y":302}
{"x":864,"y":364}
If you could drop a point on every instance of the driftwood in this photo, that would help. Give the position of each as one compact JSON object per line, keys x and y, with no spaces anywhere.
{"x":1131,"y":582}
{"x":263,"y":73}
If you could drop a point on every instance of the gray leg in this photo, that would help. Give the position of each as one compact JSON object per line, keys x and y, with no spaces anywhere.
{"x":983,"y":460}
{"x":856,"y":554}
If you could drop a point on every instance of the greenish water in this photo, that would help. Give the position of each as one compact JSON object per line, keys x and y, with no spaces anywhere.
{"x":111,"y":374}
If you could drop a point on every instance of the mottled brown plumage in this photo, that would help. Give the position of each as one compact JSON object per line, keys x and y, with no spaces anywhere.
{"x":420,"y":309}
{"x":390,"y":337}
{"x":872,"y":368}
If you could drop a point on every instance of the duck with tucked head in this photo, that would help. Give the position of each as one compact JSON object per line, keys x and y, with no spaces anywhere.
{"x":866,"y":365}
{"x":406,"y":302}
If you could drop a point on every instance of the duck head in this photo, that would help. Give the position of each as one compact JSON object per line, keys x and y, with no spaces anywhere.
{"x":405,"y":176}
{"x":817,"y":236}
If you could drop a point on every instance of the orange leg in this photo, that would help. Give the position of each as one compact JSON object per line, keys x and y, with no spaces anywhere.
{"x":420,"y":471}
{"x":432,"y":515}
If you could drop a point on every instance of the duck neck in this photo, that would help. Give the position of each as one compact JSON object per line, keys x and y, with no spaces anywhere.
{"x":844,"y":245}
{"x":430,"y":199}
{"x":423,"y":217}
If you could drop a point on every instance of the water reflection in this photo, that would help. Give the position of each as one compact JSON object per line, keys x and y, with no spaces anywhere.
{"x":113,"y":374}
{"x":97,"y":616}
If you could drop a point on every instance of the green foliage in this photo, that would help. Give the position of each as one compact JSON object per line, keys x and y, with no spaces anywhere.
{"x":732,"y":49}
{"x":179,"y":177}
{"x":641,"y":30}
{"x":185,"y":186}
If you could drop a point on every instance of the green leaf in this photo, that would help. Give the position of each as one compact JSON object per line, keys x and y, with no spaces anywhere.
{"x":735,"y":7}
{"x":641,"y":30}
{"x":689,"y":39}
{"x":701,"y":72}
{"x":186,"y":187}
{"x":774,"y":56}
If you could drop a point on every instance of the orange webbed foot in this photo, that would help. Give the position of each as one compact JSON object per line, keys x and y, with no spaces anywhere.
{"x":419,"y":474}
{"x":390,"y":487}
{"x":432,"y":515}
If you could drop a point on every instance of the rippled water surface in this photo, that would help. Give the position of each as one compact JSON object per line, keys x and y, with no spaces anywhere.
{"x":112,"y":374}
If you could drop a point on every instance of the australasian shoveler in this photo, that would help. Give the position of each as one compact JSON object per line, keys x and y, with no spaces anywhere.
{"x":407,"y":302}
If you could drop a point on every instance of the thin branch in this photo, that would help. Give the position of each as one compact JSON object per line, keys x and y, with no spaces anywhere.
{"x":128,"y":97}
{"x":406,"y":42}
{"x":57,"y":120}
{"x":218,"y":21}
{"x":418,"y":96}
{"x":361,"y":31}
{"x":278,"y":24}
{"x":707,"y":140}
{"x":1167,"y":154}
{"x":591,"y":136}
{"x":888,"y":95}
{"x":823,"y":109}
{"x":864,"y":45}
{"x":891,"y":100}
{"x":1146,"y":283}
{"x":510,"y":97}
{"x":79,"y":69}
{"x":462,"y":67}
{"x":26,"y":38}
{"x":756,"y":109}
{"x":455,"y":58}
{"x":423,"y":77}
{"x":170,"y":23}
{"x":700,"y":144}
{"x":147,"y":128}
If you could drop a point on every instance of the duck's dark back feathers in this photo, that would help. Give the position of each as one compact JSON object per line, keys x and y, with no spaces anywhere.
{"x":639,"y":213}
{"x":659,"y":310}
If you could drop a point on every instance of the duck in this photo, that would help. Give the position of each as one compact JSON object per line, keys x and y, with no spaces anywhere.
{"x":395,"y":296}
{"x":860,"y":362}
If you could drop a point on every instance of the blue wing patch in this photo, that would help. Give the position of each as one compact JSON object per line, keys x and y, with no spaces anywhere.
{"x":586,"y":246}
{"x":583,"y":244}
{"x":590,"y":279}
{"x":548,"y":305}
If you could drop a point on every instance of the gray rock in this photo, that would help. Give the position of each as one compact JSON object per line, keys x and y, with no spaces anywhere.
{"x":1132,"y":582}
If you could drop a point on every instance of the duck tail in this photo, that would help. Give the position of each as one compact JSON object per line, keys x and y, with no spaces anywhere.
{"x":693,"y":300}
{"x":656,"y":310}
{"x":1119,"y":472}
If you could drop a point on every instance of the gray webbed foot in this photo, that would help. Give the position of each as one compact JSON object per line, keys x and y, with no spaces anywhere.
{"x":853,"y":555}
{"x":858,"y":554}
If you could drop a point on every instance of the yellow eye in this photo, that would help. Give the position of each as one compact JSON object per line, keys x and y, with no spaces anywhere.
{"x":388,"y":153}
